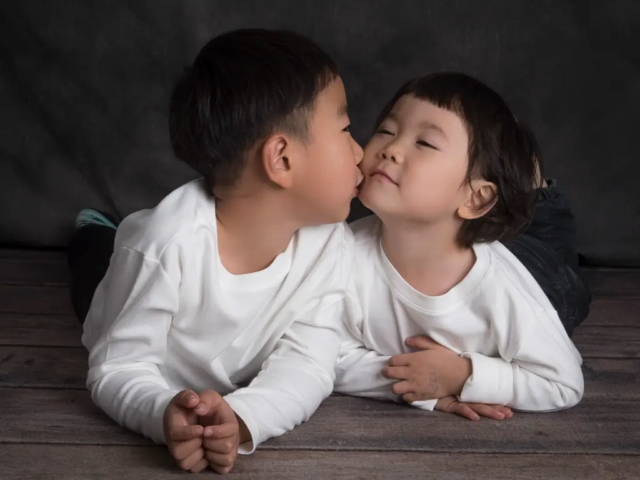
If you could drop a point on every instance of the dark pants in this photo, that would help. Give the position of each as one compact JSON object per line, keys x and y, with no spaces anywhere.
{"x":546,"y":249}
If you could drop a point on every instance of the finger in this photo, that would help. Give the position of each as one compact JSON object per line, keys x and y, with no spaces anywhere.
{"x":186,"y":399}
{"x":445,"y":404}
{"x":401,"y":373}
{"x":209,"y":402}
{"x":410,"y":397}
{"x":220,"y":460}
{"x":464,"y":410}
{"x":487,"y":411}
{"x":508,"y":413}
{"x":400,"y":360}
{"x":180,"y":433}
{"x":222,"y":431}
{"x":191,"y":461}
{"x":221,"y":470}
{"x":400,"y":388}
{"x":181,"y":450}
{"x":224,"y":446}
{"x":421,"y":341}
{"x":200,"y":466}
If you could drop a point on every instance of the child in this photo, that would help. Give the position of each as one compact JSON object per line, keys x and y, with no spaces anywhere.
{"x":450,"y":173}
{"x":233,"y":285}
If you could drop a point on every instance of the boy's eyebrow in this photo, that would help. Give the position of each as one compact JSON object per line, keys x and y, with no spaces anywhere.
{"x":343,"y":111}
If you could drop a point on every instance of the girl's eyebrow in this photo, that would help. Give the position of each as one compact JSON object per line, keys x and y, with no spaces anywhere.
{"x":427,"y":125}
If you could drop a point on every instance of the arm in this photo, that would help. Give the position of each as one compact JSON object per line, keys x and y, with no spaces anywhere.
{"x":135,"y":303}
{"x":543,"y":375}
{"x":294,"y":380}
{"x":358,"y":369}
{"x":299,"y":373}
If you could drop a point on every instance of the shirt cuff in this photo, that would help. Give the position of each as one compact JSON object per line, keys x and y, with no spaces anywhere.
{"x":241,"y":410}
{"x":425,"y":404}
{"x":491,"y":381}
{"x":156,"y":428}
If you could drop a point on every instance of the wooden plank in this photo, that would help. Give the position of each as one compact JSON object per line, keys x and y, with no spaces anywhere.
{"x":50,"y":268}
{"x":48,"y":300}
{"x":604,"y":377}
{"x":37,"y":367}
{"x":614,"y":312}
{"x":31,"y":254}
{"x":613,"y":282}
{"x":344,"y":423}
{"x":37,"y":267}
{"x":143,"y":463}
{"x":40,"y":330}
{"x":50,"y":271}
{"x":34,"y":302}
{"x":52,"y":296}
{"x":607,"y":342}
{"x":43,"y":367}
{"x":65,"y":330}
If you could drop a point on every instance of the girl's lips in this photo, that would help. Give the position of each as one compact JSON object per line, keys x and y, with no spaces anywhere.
{"x":382,"y":176}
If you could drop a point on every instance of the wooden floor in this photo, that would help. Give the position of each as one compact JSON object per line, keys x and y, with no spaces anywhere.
{"x":49,"y":427}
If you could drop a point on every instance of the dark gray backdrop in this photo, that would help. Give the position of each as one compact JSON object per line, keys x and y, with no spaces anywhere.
{"x":84,"y":88}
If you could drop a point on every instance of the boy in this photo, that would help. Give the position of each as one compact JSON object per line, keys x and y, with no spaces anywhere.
{"x":449,"y":174}
{"x":233,"y":285}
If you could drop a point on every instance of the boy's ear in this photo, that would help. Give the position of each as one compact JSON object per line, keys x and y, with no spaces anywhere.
{"x":275,"y":160}
{"x":481,"y":196}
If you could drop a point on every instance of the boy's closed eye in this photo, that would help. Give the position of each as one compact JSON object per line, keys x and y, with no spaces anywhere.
{"x":384,"y":131}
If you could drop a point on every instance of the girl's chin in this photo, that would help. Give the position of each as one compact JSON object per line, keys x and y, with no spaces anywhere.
{"x":370,"y":199}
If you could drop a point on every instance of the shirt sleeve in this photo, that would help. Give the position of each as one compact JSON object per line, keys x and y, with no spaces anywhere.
{"x":543,"y":374}
{"x":136,"y":303}
{"x":294,"y":380}
{"x":298,"y":375}
{"x":359,"y":369}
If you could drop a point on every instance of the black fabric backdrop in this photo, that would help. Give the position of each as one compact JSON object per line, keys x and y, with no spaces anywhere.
{"x":84,"y":89}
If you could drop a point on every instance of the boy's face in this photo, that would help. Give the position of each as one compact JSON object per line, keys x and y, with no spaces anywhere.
{"x":415,"y":165}
{"x":328,"y":178}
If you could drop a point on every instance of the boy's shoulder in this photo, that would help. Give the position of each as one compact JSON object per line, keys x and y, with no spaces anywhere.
{"x":366,"y":230}
{"x":182,"y":213}
{"x":321,"y":243}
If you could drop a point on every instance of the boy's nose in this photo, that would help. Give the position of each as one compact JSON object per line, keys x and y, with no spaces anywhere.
{"x":358,"y":152}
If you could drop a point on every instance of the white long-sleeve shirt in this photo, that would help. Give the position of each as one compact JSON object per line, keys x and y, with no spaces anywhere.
{"x":168,"y":316}
{"x":497,"y":316}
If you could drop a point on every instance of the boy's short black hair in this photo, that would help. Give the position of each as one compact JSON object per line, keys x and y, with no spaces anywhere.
{"x":501,"y":150}
{"x":243,"y":86}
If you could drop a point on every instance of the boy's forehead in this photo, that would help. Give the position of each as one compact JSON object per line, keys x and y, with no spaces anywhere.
{"x":333,"y":99}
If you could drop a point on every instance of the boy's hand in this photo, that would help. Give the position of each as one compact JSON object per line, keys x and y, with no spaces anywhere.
{"x":221,"y":431}
{"x":434,"y":372}
{"x":473,"y":411}
{"x":182,"y":432}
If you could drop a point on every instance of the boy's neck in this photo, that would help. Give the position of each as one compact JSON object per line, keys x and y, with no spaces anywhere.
{"x":252,"y":231}
{"x":427,"y":256}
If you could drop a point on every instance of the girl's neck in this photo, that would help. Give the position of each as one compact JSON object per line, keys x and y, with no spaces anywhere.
{"x":426,"y":255}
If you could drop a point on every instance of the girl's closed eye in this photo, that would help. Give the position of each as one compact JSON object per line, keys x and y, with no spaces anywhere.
{"x":424,"y":143}
{"x":384,"y":131}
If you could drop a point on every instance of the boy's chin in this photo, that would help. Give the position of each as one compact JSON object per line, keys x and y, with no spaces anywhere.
{"x":337,"y":215}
